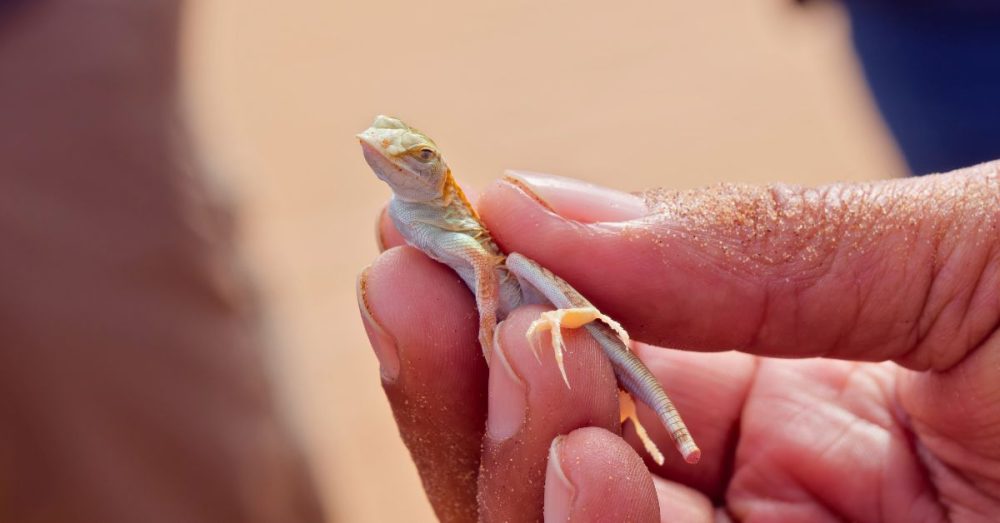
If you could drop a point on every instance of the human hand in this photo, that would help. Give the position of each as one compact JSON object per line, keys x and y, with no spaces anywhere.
{"x":903,"y":274}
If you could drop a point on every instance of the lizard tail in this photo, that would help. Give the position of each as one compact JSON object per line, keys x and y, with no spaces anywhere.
{"x":634,"y":377}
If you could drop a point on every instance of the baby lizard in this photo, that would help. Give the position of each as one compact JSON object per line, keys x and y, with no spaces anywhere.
{"x":431,"y":212}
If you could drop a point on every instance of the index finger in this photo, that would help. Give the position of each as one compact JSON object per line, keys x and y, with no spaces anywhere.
{"x":903,"y":270}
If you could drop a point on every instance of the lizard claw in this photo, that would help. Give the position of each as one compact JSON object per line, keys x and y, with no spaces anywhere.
{"x":558,"y":347}
{"x":532,"y":335}
{"x":617,"y":327}
{"x":549,"y":321}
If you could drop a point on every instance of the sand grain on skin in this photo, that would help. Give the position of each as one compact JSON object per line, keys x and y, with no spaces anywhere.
{"x":755,"y":228}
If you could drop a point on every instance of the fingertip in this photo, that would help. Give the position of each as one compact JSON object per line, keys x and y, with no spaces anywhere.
{"x":507,"y":395}
{"x":387,"y":235}
{"x":559,"y":492}
{"x":593,"y":475}
{"x":401,"y":277}
{"x":383,"y":344}
{"x":577,"y":200}
{"x":682,"y":504}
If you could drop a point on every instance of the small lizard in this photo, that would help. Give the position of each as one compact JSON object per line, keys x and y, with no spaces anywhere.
{"x":433,"y":214}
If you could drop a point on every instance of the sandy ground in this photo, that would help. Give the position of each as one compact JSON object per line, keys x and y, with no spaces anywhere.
{"x":670,"y":93}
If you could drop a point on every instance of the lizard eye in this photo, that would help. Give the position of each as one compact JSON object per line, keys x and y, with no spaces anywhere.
{"x":426,"y":154}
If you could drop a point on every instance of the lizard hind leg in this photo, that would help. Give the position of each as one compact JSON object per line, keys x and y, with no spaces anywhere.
{"x":487,"y":291}
{"x":628,"y":412}
{"x":572,"y":318}
{"x":487,"y":331}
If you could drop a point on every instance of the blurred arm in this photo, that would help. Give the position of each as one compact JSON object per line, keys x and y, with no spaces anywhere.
{"x":131,"y":373}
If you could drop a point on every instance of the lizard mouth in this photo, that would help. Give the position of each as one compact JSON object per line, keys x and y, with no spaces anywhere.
{"x":377,"y":159}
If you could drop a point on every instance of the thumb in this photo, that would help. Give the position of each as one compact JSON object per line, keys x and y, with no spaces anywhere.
{"x":905,"y":270}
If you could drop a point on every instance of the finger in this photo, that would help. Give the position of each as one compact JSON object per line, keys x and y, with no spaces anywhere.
{"x":901,"y":269}
{"x":529,"y":405}
{"x":421,"y":322}
{"x":680,"y":504}
{"x":592,"y":475}
{"x":387,"y":235}
{"x":955,"y":415}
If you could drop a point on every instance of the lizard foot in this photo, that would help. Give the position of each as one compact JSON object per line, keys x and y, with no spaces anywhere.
{"x":627,"y":408}
{"x":554,"y":321}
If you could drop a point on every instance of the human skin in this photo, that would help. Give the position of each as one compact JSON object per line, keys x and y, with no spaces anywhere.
{"x":133,"y":384}
{"x":892,"y":289}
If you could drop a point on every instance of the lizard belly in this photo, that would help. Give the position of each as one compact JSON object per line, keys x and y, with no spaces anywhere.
{"x":511,"y":295}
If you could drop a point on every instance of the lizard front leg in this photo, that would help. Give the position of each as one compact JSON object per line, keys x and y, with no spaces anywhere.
{"x":477,"y":267}
{"x":487,"y":301}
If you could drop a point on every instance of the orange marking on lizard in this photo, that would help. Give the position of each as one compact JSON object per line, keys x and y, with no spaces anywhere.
{"x":450,"y":183}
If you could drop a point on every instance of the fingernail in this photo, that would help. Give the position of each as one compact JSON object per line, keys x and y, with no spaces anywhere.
{"x":508,"y":402}
{"x":559,"y":491}
{"x":579,"y":200}
{"x":384,"y":345}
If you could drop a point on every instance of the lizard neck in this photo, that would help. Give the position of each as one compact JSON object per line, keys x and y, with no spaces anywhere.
{"x":452,"y":194}
{"x":456,"y":204}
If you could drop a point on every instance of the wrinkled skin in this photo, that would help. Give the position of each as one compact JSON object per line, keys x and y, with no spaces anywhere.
{"x":891,"y":288}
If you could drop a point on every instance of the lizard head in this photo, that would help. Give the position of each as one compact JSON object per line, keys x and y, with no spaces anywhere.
{"x":404,"y":158}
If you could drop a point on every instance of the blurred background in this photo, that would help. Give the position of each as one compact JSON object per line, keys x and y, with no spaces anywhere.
{"x":630,"y":95}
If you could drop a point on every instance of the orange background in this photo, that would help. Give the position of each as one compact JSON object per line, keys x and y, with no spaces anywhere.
{"x":639,"y":94}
